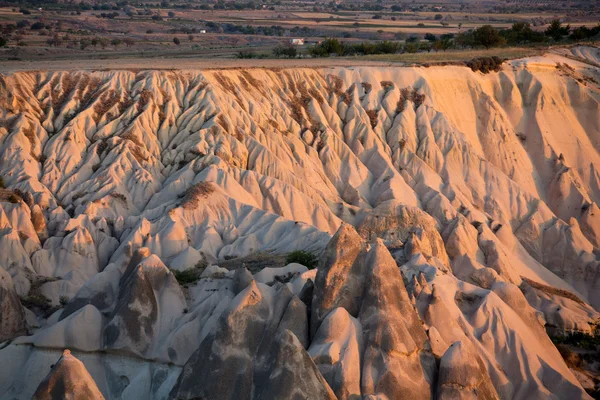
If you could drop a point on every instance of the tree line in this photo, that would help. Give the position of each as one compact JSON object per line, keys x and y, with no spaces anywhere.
{"x":520,"y":33}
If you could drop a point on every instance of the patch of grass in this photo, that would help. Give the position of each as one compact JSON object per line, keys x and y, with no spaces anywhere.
{"x":305,"y":258}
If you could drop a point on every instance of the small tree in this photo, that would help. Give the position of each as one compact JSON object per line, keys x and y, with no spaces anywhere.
{"x":115,"y":42}
{"x":327,"y":47}
{"x":176,"y":41}
{"x":465,"y":39}
{"x":191,"y":38}
{"x":287,"y":51}
{"x":442,"y":44}
{"x":556,"y":31}
{"x":399,"y":35}
{"x":411,"y":47}
{"x":128,"y":42}
{"x":94,"y":42}
{"x":426,"y":46}
{"x":103,"y":43}
{"x":487,"y":37}
{"x":54,"y":41}
{"x":3,"y":41}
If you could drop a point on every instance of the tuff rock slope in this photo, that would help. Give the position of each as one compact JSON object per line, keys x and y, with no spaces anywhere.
{"x":454,"y":214}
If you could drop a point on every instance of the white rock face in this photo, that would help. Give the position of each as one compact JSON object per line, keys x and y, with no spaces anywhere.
{"x":452,"y":213}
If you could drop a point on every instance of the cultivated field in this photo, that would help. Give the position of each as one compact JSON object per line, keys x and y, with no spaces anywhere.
{"x":67,"y":32}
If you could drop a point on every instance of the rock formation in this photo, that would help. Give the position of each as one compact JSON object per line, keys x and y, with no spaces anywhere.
{"x":68,"y":380}
{"x":146,"y":217}
{"x":12,"y":317}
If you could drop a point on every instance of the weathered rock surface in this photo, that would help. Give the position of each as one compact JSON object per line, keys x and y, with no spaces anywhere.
{"x":464,"y":376}
{"x":12,"y":317}
{"x":256,"y":351}
{"x":397,"y":361}
{"x":481,"y":188}
{"x":68,"y":380}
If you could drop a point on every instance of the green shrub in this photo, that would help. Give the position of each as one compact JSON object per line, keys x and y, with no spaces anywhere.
{"x":485,"y":64}
{"x":248,"y":54}
{"x":188,"y":276}
{"x":488,"y":36}
{"x":287,"y":51}
{"x":305,"y":258}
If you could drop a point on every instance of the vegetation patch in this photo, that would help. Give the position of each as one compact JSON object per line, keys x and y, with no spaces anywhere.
{"x":387,"y":85}
{"x":104,"y":104}
{"x":143,"y":100}
{"x":309,"y":260}
{"x":36,"y":301}
{"x":12,"y":196}
{"x":372,"y":114}
{"x":578,"y":339}
{"x":335,"y":86}
{"x":552,"y":291}
{"x":485,"y":64}
{"x":190,"y":275}
{"x":119,"y":196}
{"x":192,"y":196}
{"x":572,"y":359}
{"x":367,"y":87}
